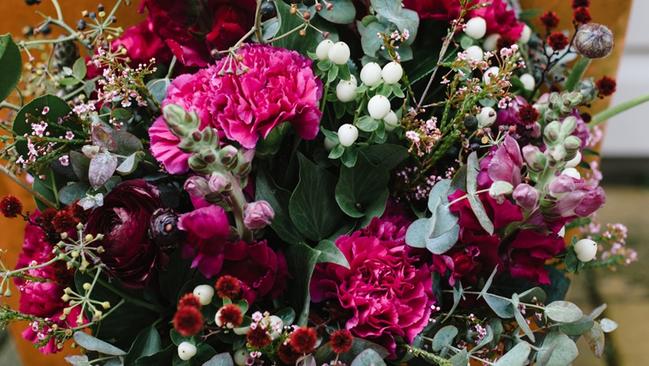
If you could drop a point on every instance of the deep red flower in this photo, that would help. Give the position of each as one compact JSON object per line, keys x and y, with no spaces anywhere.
{"x":528,"y":114}
{"x":229,"y":316}
{"x":606,"y":86}
{"x":142,"y":44}
{"x":287,"y":354}
{"x":189,"y":300}
{"x":188,"y":321}
{"x":580,"y":3}
{"x":64,"y":221}
{"x":228,"y":286}
{"x":258,"y":337}
{"x":10,"y":206}
{"x":582,"y":15}
{"x":341,"y":341}
{"x":303,"y":340}
{"x":558,"y":41}
{"x":550,"y":19}
{"x":443,"y":10}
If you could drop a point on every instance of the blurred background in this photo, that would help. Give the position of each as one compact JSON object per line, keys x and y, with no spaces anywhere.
{"x":625,"y":166}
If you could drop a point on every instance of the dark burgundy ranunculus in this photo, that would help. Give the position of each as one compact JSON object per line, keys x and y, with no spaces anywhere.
{"x":191,"y":32}
{"x":124,"y":221}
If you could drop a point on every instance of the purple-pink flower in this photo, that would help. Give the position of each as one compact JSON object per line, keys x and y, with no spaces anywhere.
{"x":257,"y":215}
{"x":575,"y":197}
{"x":506,"y":162}
{"x":208,"y":232}
{"x":387,"y":289}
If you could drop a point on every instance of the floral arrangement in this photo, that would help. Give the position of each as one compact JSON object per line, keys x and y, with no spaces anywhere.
{"x":330,"y":182}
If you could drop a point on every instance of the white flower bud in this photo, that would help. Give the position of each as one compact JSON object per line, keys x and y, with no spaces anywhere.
{"x":391,"y":121}
{"x":500,"y":189}
{"x":486,"y":117}
{"x":322,"y":51}
{"x":474,"y":53}
{"x":240,"y":357}
{"x":586,"y":250}
{"x":491,"y":42}
{"x":526,"y":34}
{"x":205,"y":293}
{"x":346,"y":90}
{"x":347,"y":134}
{"x":378,"y":107}
{"x":476,"y":28}
{"x":574,"y":162}
{"x":186,"y":351}
{"x":339,"y":53}
{"x":528,"y":82}
{"x":371,"y":74}
{"x":571,"y":172}
{"x":392,"y":73}
{"x":491,"y":72}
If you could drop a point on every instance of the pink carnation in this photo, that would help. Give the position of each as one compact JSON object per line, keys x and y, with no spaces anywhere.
{"x":277,"y":86}
{"x":387,"y":289}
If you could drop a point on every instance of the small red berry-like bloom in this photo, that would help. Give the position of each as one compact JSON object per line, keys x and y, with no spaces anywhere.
{"x":582,"y":15}
{"x":229,"y":316}
{"x":550,"y":19}
{"x":188,"y":321}
{"x":189,"y":300}
{"x":586,"y":117}
{"x":341,"y":341}
{"x":557,"y":41}
{"x":228,"y":286}
{"x":303,"y":340}
{"x":528,"y":114}
{"x":287,"y":354}
{"x":580,"y":3}
{"x":505,"y":41}
{"x":64,"y":221}
{"x":606,"y":86}
{"x":11,"y":206}
{"x":258,"y":337}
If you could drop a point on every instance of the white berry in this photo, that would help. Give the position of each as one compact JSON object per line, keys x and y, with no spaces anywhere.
{"x":346,"y":90}
{"x":528,"y":81}
{"x":186,"y":351}
{"x":339,"y":53}
{"x":347,"y":134}
{"x":474,"y":53}
{"x":491,"y":42}
{"x":205,"y":293}
{"x":378,"y":107}
{"x":392,"y":73}
{"x":526,"y":34}
{"x":391,"y":121}
{"x":486,"y":117}
{"x":586,"y":250}
{"x":240,"y":357}
{"x":371,"y":74}
{"x":476,"y":28}
{"x":491,"y":72}
{"x":322,"y":51}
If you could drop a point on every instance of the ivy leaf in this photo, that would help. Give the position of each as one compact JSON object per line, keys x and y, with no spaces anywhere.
{"x":329,"y":253}
{"x":301,"y":260}
{"x":362,"y":191}
{"x":517,"y":356}
{"x":563,"y":311}
{"x":278,"y":199}
{"x":146,"y":343}
{"x":10,"y":66}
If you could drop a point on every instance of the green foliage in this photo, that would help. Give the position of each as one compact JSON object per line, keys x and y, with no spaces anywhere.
{"x":147,"y":343}
{"x":473,"y":168}
{"x":301,"y":260}
{"x":342,"y":12}
{"x":369,"y":357}
{"x":10,"y":66}
{"x":294,"y":41}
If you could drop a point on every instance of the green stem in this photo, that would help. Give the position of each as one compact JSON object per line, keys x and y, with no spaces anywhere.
{"x":25,"y":186}
{"x":577,"y":72}
{"x":618,"y":109}
{"x":172,"y":65}
{"x":128,"y":298}
{"x":9,"y":105}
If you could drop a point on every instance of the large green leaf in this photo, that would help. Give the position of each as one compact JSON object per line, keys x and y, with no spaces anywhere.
{"x":10,"y":66}
{"x":278,"y":198}
{"x":147,"y":343}
{"x":362,"y":191}
{"x":342,"y":12}
{"x":312,"y":207}
{"x":301,"y":260}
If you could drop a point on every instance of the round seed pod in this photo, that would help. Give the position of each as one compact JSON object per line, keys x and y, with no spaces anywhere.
{"x":594,"y":40}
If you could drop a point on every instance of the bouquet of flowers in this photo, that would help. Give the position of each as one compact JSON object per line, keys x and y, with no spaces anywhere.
{"x":328,"y":182}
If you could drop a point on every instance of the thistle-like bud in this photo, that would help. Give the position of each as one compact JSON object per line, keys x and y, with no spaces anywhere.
{"x":228,"y":156}
{"x":594,"y":40}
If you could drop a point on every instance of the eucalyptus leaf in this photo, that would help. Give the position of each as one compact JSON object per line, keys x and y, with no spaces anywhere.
{"x":158,"y":88}
{"x":608,"y":325}
{"x":78,"y":360}
{"x":222,"y":359}
{"x":342,"y":12}
{"x":473,"y":168}
{"x":91,"y":343}
{"x":79,"y":68}
{"x":444,"y":337}
{"x":522,"y":323}
{"x":557,"y":350}
{"x":596,"y":339}
{"x":517,"y":356}
{"x":502,"y":307}
{"x":129,"y":164}
{"x":563,"y":311}
{"x":369,"y":357}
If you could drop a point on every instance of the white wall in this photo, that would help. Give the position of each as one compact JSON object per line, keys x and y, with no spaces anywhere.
{"x":628,"y":134}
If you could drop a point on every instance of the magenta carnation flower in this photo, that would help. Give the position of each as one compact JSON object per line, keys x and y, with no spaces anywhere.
{"x":277,"y":86}
{"x":208,"y":231}
{"x":387,"y":289}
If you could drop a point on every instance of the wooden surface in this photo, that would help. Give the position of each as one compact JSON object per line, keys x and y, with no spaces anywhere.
{"x":615,"y":15}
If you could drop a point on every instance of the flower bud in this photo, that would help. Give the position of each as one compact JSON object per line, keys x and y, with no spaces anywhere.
{"x":197,"y":186}
{"x":526,"y":196}
{"x":571,"y":172}
{"x":552,"y":132}
{"x":219,"y":183}
{"x":257,"y":215}
{"x":346,"y":90}
{"x":186,"y":351}
{"x":491,"y":42}
{"x":205,"y":293}
{"x":574,"y":162}
{"x":572,"y":143}
{"x":586,"y":250}
{"x":558,"y":153}
{"x":391,"y":121}
{"x":528,"y":81}
{"x":228,"y":156}
{"x":568,"y":125}
{"x":486,"y":117}
{"x":322,"y":51}
{"x":561,"y":185}
{"x":476,"y":27}
{"x":499,"y":189}
{"x":90,"y":151}
{"x":594,"y":40}
{"x":339,"y":53}
{"x":474,"y":53}
{"x":371,"y":74}
{"x":163,"y":229}
{"x":392,"y":72}
{"x":347,"y":134}
{"x":378,"y":107}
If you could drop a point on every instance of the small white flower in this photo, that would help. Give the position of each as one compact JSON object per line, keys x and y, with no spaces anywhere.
{"x":186,"y":351}
{"x":347,"y":134}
